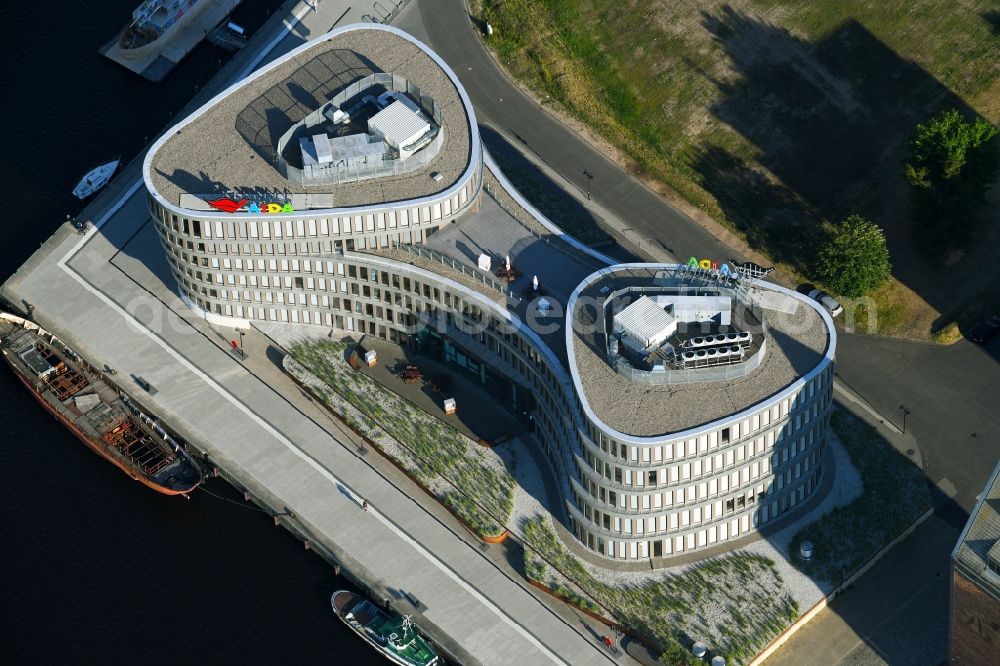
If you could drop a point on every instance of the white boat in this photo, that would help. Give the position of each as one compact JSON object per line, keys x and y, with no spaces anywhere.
{"x":95,"y":179}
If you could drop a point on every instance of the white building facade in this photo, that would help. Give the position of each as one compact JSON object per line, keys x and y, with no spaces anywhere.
{"x":626,"y":497}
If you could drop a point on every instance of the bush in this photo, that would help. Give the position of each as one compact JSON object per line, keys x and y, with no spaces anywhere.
{"x":856,"y":259}
{"x":667,"y":611}
{"x":677,"y":655}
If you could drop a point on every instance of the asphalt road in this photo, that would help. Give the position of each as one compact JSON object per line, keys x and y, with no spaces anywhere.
{"x":951,"y":393}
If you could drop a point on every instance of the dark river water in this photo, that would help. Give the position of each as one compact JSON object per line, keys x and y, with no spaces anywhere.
{"x":94,"y":567}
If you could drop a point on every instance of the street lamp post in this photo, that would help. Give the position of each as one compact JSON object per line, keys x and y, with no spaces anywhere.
{"x":905,"y":410}
{"x":242,"y":333}
{"x":590,"y":177}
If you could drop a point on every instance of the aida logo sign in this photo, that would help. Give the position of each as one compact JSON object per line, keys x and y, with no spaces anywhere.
{"x":710,"y":265}
{"x":227,"y":205}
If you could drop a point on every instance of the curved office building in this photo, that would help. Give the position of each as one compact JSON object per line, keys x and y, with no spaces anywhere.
{"x":343,"y":186}
{"x":706,"y":402}
{"x":359,"y":140}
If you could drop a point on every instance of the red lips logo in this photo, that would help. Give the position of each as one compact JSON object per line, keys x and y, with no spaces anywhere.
{"x":227,"y":205}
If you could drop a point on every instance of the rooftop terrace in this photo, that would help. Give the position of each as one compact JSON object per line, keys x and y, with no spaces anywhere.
{"x":796,"y":340}
{"x":230,"y":143}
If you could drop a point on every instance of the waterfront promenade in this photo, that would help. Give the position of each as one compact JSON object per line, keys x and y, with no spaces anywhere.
{"x":107,"y":293}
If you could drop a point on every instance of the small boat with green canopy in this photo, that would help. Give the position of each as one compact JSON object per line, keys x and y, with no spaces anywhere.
{"x":392,"y":634}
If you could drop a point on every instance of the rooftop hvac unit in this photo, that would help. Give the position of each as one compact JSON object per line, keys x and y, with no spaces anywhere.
{"x":741,"y":338}
{"x":321,"y":144}
{"x":336,"y":116}
{"x":711,"y":356}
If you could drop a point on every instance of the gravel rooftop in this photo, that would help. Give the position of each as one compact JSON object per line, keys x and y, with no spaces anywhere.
{"x":231,"y":145}
{"x":795,"y":344}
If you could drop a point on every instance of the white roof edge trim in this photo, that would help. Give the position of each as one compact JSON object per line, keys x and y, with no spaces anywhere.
{"x":652,"y":440}
{"x":475,"y":148}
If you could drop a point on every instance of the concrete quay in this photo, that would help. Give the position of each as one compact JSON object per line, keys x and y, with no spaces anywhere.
{"x":156,"y":59}
{"x":109,"y":295}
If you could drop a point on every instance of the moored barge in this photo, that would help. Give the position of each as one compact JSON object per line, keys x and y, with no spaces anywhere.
{"x":391,"y":634}
{"x":99,"y":413}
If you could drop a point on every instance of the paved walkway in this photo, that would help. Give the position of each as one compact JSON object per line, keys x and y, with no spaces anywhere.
{"x":106,"y":303}
{"x":872,"y":624}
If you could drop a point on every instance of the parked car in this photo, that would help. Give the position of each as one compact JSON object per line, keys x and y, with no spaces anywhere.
{"x":986,"y":331}
{"x":827,"y":301}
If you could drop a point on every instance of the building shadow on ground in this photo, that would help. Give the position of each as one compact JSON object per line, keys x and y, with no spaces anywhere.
{"x":831,"y":120}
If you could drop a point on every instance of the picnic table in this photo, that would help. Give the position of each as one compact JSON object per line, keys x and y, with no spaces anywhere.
{"x":411,"y":374}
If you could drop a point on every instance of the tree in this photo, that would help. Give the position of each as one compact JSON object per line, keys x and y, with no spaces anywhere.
{"x":952,"y":164}
{"x":855,"y":260}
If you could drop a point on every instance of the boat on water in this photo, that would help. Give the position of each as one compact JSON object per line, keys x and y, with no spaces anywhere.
{"x":99,"y":413}
{"x":95,"y":179}
{"x":393,"y":635}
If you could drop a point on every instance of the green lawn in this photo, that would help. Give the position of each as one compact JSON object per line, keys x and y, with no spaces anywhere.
{"x":737,"y":603}
{"x":895,"y":494}
{"x":440,"y":457}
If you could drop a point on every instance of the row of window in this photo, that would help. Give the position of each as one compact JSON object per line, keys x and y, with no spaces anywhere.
{"x":734,"y":454}
{"x":631,"y":455}
{"x":708,"y":488}
{"x":627,"y":547}
{"x":361,"y":280}
{"x":367,"y":283}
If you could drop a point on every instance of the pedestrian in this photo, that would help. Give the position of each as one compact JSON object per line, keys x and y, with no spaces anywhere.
{"x":364,"y":504}
{"x":607,"y":641}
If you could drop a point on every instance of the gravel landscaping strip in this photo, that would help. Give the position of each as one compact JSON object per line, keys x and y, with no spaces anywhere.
{"x":469,"y":479}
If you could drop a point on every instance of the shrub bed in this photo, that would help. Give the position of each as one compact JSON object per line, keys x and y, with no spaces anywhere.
{"x":469,"y":480}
